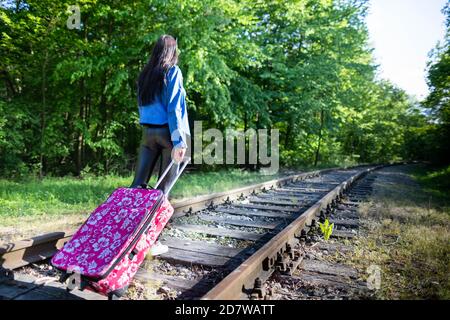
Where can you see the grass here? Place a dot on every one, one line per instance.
(33, 206)
(408, 236)
(436, 183)
(69, 195)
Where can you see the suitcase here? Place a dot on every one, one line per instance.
(107, 250)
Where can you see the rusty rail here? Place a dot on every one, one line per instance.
(245, 281)
(21, 253)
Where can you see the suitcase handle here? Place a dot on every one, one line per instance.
(184, 162)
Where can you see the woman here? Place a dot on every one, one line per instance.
(163, 116)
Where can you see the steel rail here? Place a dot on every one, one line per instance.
(20, 253)
(242, 281)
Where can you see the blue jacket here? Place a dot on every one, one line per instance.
(169, 107)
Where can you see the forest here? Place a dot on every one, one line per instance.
(305, 67)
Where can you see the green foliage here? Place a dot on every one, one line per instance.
(436, 181)
(69, 195)
(438, 101)
(327, 229)
(68, 97)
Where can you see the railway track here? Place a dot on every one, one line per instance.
(222, 246)
(325, 273)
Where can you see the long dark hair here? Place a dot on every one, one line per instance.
(151, 79)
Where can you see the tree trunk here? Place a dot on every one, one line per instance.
(43, 115)
(9, 85)
(316, 160)
(287, 138)
(80, 138)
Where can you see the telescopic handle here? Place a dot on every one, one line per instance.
(180, 169)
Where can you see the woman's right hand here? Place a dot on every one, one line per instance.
(178, 154)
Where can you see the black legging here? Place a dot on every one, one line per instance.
(156, 142)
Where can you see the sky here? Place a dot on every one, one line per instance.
(403, 32)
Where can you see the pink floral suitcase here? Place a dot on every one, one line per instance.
(107, 250)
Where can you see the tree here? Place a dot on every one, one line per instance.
(438, 101)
